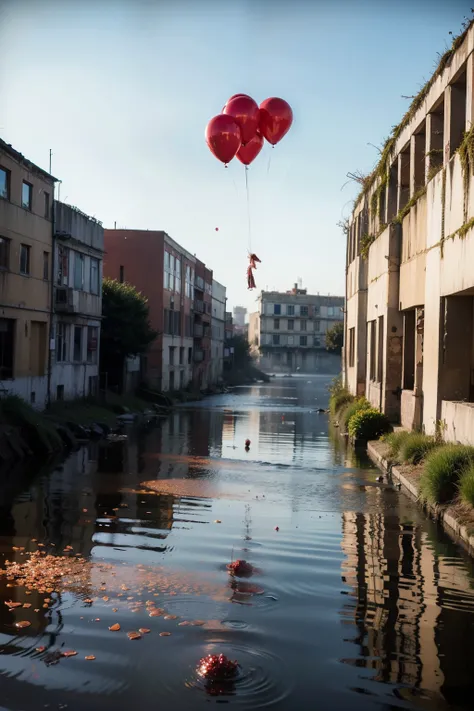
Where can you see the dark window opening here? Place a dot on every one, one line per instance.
(7, 330)
(435, 131)
(409, 350)
(403, 178)
(457, 126)
(121, 277)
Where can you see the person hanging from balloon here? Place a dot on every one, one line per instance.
(241, 130)
(250, 278)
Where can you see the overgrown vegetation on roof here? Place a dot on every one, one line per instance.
(381, 169)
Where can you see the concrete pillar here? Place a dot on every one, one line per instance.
(454, 118)
(403, 192)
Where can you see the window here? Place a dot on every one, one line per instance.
(380, 351)
(62, 332)
(181, 356)
(63, 265)
(276, 340)
(317, 325)
(4, 253)
(331, 311)
(26, 195)
(290, 310)
(7, 329)
(409, 343)
(291, 340)
(303, 340)
(317, 342)
(121, 274)
(60, 392)
(93, 385)
(291, 324)
(303, 310)
(78, 270)
(171, 282)
(277, 309)
(373, 331)
(46, 265)
(94, 276)
(46, 206)
(276, 324)
(303, 325)
(24, 259)
(77, 353)
(351, 347)
(171, 355)
(92, 342)
(4, 184)
(190, 356)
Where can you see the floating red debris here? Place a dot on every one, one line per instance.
(240, 568)
(134, 635)
(115, 628)
(216, 667)
(22, 624)
(165, 634)
(89, 658)
(40, 649)
(69, 653)
(247, 443)
(11, 604)
(144, 630)
(277, 528)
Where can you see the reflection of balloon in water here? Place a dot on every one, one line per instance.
(223, 137)
(247, 154)
(245, 111)
(276, 118)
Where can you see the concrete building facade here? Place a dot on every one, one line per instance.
(26, 238)
(240, 314)
(409, 331)
(202, 326)
(217, 331)
(287, 333)
(78, 257)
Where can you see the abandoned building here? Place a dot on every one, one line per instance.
(409, 322)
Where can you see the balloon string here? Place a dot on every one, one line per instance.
(269, 163)
(248, 208)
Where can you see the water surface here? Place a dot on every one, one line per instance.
(358, 601)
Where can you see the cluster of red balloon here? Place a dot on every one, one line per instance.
(242, 127)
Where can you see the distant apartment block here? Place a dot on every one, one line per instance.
(217, 331)
(288, 330)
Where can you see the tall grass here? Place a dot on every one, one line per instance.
(443, 471)
(466, 487)
(351, 409)
(416, 447)
(395, 440)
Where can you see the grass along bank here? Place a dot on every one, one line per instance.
(439, 475)
(25, 431)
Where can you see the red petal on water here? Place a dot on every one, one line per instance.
(69, 653)
(165, 634)
(90, 658)
(115, 627)
(40, 649)
(22, 624)
(12, 605)
(170, 617)
(144, 630)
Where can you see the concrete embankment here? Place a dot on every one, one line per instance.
(457, 520)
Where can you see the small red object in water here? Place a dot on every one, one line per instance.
(247, 443)
(277, 528)
(216, 667)
(240, 568)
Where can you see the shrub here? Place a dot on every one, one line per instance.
(466, 488)
(395, 441)
(442, 472)
(414, 448)
(367, 424)
(351, 408)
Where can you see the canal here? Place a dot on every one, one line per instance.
(357, 601)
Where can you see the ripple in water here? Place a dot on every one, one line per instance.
(261, 681)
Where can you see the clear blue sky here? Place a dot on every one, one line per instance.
(122, 91)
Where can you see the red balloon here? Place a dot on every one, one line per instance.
(245, 112)
(276, 118)
(223, 137)
(246, 154)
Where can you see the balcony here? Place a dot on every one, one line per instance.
(66, 300)
(198, 356)
(199, 306)
(199, 283)
(198, 330)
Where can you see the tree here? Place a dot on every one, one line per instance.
(335, 337)
(126, 329)
(241, 348)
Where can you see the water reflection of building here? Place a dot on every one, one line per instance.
(411, 608)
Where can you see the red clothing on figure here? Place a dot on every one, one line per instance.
(250, 279)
